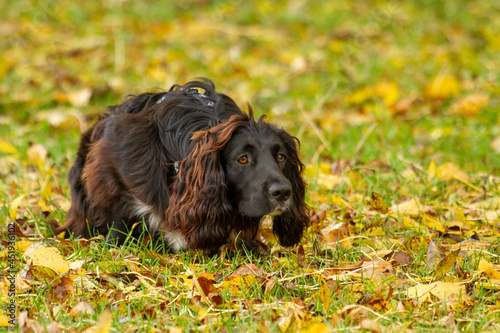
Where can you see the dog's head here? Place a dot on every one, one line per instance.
(237, 172)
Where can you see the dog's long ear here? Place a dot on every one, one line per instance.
(289, 227)
(199, 204)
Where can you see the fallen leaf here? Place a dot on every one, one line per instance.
(449, 171)
(14, 206)
(402, 258)
(371, 325)
(451, 292)
(442, 87)
(487, 269)
(445, 265)
(103, 325)
(36, 155)
(8, 148)
(48, 257)
(471, 105)
(412, 207)
(377, 203)
(207, 290)
(324, 295)
(81, 309)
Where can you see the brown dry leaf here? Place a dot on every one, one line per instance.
(433, 255)
(446, 264)
(301, 257)
(53, 327)
(81, 309)
(248, 269)
(344, 267)
(207, 290)
(372, 326)
(377, 203)
(334, 235)
(64, 289)
(403, 258)
(28, 325)
(488, 270)
(373, 269)
(471, 105)
(269, 286)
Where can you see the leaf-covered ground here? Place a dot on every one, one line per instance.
(396, 105)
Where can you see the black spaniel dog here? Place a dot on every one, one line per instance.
(190, 166)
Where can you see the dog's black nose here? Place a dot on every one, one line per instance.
(280, 192)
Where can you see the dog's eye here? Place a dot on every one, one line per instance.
(281, 158)
(243, 159)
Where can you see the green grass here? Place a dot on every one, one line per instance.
(302, 64)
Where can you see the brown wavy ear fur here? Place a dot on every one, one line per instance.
(199, 204)
(290, 227)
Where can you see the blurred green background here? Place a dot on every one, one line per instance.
(359, 80)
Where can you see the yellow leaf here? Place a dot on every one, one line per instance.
(8, 148)
(19, 247)
(388, 91)
(358, 182)
(377, 202)
(14, 205)
(441, 290)
(446, 264)
(43, 273)
(432, 170)
(325, 295)
(46, 190)
(442, 87)
(412, 207)
(328, 181)
(488, 270)
(433, 223)
(317, 328)
(450, 171)
(4, 321)
(360, 95)
(46, 257)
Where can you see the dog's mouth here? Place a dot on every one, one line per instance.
(279, 209)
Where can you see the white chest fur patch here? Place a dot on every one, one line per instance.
(143, 210)
(174, 239)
